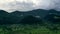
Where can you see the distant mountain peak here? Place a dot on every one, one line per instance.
(3, 11)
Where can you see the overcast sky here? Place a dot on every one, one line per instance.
(26, 5)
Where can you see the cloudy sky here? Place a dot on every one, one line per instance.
(26, 5)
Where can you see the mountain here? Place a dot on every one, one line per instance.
(38, 12)
(53, 16)
(54, 12)
(3, 15)
(31, 20)
(18, 17)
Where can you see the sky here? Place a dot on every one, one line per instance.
(27, 5)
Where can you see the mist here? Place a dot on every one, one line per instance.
(27, 5)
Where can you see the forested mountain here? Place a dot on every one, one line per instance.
(3, 15)
(38, 12)
(31, 20)
(29, 16)
(53, 18)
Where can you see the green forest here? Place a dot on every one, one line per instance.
(32, 22)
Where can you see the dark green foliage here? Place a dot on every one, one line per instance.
(16, 18)
(53, 18)
(50, 20)
(13, 19)
(3, 15)
(31, 20)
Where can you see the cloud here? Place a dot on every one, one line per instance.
(26, 5)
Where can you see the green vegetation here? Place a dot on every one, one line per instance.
(48, 22)
(29, 29)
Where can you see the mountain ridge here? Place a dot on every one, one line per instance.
(16, 17)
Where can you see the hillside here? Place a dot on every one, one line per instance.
(17, 16)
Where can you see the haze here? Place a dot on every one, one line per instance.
(27, 5)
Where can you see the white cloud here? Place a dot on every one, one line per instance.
(26, 5)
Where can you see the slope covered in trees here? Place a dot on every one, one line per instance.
(30, 16)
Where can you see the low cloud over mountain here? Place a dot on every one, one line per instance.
(27, 5)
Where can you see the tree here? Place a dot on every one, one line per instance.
(53, 27)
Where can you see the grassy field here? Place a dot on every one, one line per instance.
(26, 29)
